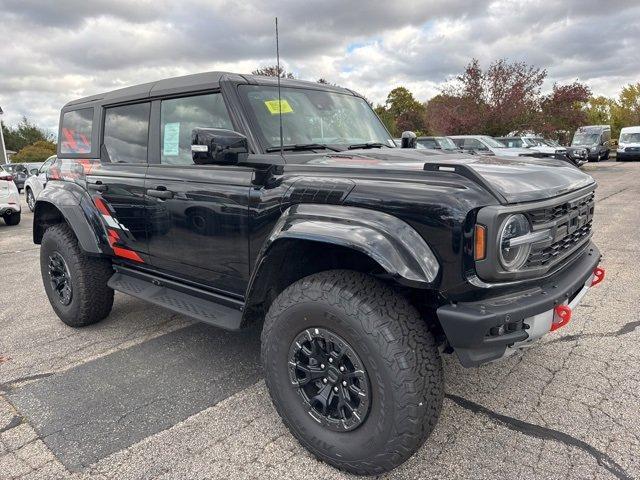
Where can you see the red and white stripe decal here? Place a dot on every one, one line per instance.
(112, 232)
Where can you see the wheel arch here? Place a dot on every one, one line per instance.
(63, 206)
(323, 237)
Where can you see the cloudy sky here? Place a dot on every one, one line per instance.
(54, 51)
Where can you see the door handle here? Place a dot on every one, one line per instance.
(159, 193)
(98, 186)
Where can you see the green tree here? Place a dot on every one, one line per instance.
(626, 111)
(37, 152)
(401, 112)
(25, 133)
(273, 71)
(599, 110)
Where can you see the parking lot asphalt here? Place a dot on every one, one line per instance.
(149, 394)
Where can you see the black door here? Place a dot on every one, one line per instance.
(197, 215)
(117, 183)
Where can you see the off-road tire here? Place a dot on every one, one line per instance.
(92, 299)
(13, 219)
(400, 355)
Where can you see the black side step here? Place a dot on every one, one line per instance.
(188, 301)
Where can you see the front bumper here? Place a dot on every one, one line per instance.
(487, 330)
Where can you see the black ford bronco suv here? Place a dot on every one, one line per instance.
(363, 262)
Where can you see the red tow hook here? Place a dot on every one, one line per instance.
(561, 316)
(598, 274)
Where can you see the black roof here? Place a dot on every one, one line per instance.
(195, 82)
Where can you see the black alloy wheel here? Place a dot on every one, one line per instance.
(60, 278)
(330, 378)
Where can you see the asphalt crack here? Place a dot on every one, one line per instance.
(612, 194)
(543, 433)
(624, 330)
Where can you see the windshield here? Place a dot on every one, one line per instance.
(446, 143)
(629, 138)
(313, 116)
(580, 139)
(492, 142)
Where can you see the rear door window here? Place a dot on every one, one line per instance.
(76, 131)
(126, 133)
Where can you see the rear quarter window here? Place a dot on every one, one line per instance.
(75, 132)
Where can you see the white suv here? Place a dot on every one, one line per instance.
(9, 199)
(35, 183)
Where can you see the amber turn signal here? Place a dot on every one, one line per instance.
(480, 251)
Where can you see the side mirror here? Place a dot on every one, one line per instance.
(34, 171)
(409, 140)
(218, 146)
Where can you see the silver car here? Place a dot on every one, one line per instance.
(486, 145)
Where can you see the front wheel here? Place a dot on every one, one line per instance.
(352, 370)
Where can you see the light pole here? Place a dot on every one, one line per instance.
(3, 150)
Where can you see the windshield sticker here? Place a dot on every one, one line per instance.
(272, 106)
(171, 146)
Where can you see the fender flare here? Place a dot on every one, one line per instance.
(386, 239)
(77, 211)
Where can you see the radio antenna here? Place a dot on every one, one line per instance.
(279, 97)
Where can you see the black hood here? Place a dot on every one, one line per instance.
(512, 180)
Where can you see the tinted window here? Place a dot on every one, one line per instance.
(179, 116)
(126, 133)
(76, 131)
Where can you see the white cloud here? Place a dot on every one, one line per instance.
(52, 52)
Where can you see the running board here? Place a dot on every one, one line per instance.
(186, 300)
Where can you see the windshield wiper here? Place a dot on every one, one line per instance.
(304, 146)
(369, 145)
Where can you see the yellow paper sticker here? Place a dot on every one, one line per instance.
(272, 106)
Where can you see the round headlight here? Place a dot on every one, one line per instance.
(513, 257)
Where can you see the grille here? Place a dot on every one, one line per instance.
(543, 216)
(570, 226)
(632, 149)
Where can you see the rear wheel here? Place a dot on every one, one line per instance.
(352, 370)
(76, 284)
(12, 219)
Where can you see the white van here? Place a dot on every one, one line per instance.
(629, 144)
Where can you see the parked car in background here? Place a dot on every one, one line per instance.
(33, 167)
(9, 198)
(36, 182)
(536, 144)
(438, 143)
(629, 144)
(19, 173)
(486, 145)
(592, 142)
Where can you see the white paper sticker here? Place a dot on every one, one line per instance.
(171, 147)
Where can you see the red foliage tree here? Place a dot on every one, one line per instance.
(503, 98)
(562, 110)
